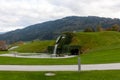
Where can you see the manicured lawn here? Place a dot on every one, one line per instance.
(38, 76)
(104, 46)
(33, 61)
(3, 52)
(102, 56)
(100, 75)
(111, 55)
(84, 75)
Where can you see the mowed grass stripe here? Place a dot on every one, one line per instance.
(84, 75)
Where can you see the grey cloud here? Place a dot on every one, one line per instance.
(21, 13)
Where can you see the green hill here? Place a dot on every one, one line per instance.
(103, 47)
(100, 47)
(97, 40)
(88, 40)
(35, 46)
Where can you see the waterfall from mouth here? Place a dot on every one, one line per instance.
(56, 45)
(55, 50)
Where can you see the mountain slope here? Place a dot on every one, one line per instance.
(51, 29)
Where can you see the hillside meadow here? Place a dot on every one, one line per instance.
(96, 40)
(100, 47)
(35, 46)
(88, 40)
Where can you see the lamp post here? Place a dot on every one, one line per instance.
(79, 64)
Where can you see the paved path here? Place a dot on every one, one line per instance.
(114, 66)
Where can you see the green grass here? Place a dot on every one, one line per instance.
(88, 41)
(33, 61)
(93, 57)
(84, 75)
(107, 54)
(110, 54)
(91, 40)
(35, 46)
(104, 48)
(4, 52)
(102, 56)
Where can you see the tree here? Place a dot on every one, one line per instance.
(99, 28)
(89, 29)
(115, 27)
(66, 38)
(3, 46)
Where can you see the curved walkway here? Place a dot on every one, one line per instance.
(113, 66)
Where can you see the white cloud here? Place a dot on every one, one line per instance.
(21, 13)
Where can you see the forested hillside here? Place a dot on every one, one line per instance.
(51, 29)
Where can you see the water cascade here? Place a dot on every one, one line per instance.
(56, 46)
(55, 50)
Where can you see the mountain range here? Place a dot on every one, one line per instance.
(51, 29)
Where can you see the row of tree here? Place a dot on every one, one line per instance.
(99, 28)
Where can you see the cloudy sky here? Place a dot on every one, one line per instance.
(15, 14)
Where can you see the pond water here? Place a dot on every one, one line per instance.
(34, 55)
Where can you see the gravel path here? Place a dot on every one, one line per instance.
(113, 66)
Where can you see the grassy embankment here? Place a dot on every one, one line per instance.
(35, 46)
(97, 40)
(104, 47)
(88, 40)
(86, 75)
